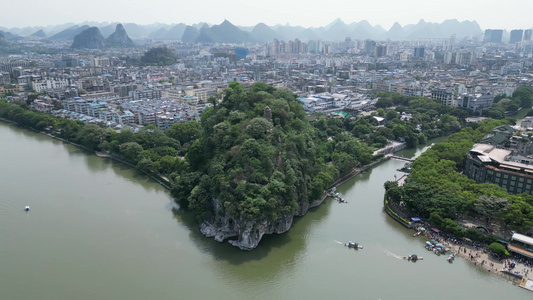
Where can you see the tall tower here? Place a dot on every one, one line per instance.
(516, 36)
(493, 36)
(527, 35)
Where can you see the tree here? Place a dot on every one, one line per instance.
(185, 132)
(258, 127)
(126, 135)
(384, 102)
(130, 151)
(499, 249)
(91, 136)
(491, 206)
(524, 96)
(391, 114)
(165, 164)
(399, 131)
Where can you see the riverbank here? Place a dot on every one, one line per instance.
(163, 181)
(474, 253)
(470, 251)
(480, 257)
(345, 178)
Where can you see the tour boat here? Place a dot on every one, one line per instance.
(351, 244)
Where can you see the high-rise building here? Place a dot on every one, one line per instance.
(381, 50)
(493, 36)
(527, 35)
(419, 52)
(370, 47)
(516, 36)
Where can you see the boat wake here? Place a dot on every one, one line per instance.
(338, 242)
(392, 254)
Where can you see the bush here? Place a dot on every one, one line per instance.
(498, 249)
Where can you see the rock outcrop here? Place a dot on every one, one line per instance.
(248, 233)
(119, 38)
(89, 39)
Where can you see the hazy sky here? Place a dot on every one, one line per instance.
(509, 14)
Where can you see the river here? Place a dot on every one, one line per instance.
(100, 230)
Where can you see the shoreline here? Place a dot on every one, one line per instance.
(469, 251)
(165, 183)
(480, 257)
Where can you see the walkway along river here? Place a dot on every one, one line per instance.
(99, 230)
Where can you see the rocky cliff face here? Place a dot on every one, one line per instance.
(119, 38)
(89, 39)
(248, 233)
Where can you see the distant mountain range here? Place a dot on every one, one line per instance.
(92, 38)
(226, 32)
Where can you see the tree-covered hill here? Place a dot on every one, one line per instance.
(159, 56)
(256, 164)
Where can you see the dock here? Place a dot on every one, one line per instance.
(526, 284)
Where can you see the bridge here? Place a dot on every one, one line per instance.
(401, 158)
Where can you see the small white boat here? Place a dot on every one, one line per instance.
(27, 208)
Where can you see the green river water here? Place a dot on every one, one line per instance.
(100, 230)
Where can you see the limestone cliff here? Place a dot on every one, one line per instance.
(248, 233)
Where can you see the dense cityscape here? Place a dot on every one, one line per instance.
(95, 84)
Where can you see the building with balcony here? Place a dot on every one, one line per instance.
(489, 164)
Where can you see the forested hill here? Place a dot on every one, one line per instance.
(255, 165)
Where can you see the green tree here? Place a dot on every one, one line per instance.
(90, 136)
(258, 127)
(499, 249)
(185, 132)
(391, 114)
(130, 151)
(491, 206)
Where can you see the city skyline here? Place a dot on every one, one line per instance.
(488, 14)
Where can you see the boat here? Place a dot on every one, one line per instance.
(413, 257)
(27, 208)
(417, 233)
(451, 258)
(351, 244)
